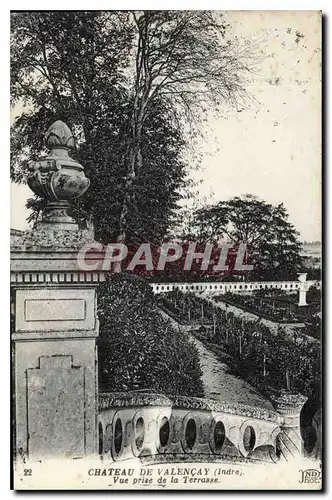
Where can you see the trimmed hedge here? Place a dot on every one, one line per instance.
(138, 349)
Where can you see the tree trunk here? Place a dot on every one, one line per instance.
(134, 166)
(141, 93)
(288, 386)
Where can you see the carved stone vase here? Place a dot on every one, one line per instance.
(57, 178)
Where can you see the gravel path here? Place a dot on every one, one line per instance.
(219, 383)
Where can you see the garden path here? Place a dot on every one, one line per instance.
(219, 383)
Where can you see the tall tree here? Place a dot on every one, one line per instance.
(74, 66)
(181, 58)
(272, 241)
(132, 86)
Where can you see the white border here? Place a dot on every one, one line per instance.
(325, 6)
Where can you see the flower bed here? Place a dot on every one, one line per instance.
(268, 360)
(274, 308)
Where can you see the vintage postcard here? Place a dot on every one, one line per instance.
(166, 250)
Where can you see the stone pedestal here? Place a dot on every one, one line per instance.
(290, 440)
(54, 339)
(302, 297)
(303, 289)
(54, 305)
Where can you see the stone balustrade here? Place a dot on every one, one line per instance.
(220, 288)
(147, 425)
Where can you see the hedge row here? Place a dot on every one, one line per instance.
(138, 349)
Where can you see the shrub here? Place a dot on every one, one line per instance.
(268, 360)
(138, 348)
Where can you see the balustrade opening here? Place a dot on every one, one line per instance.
(249, 438)
(191, 433)
(219, 435)
(118, 436)
(139, 433)
(164, 432)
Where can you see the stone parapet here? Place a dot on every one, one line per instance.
(122, 399)
(145, 425)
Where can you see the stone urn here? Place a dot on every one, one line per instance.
(57, 178)
(302, 277)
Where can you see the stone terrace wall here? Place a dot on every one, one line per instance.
(145, 425)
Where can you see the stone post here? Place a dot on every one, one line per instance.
(303, 289)
(290, 440)
(55, 329)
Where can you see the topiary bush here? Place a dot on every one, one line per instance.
(138, 349)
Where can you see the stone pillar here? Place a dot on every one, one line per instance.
(303, 289)
(55, 329)
(290, 440)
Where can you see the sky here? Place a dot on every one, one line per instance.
(272, 148)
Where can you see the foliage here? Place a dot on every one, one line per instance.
(181, 58)
(278, 309)
(313, 326)
(268, 360)
(314, 295)
(272, 241)
(138, 348)
(72, 66)
(131, 85)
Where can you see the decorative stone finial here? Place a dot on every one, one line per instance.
(58, 178)
(59, 136)
(302, 277)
